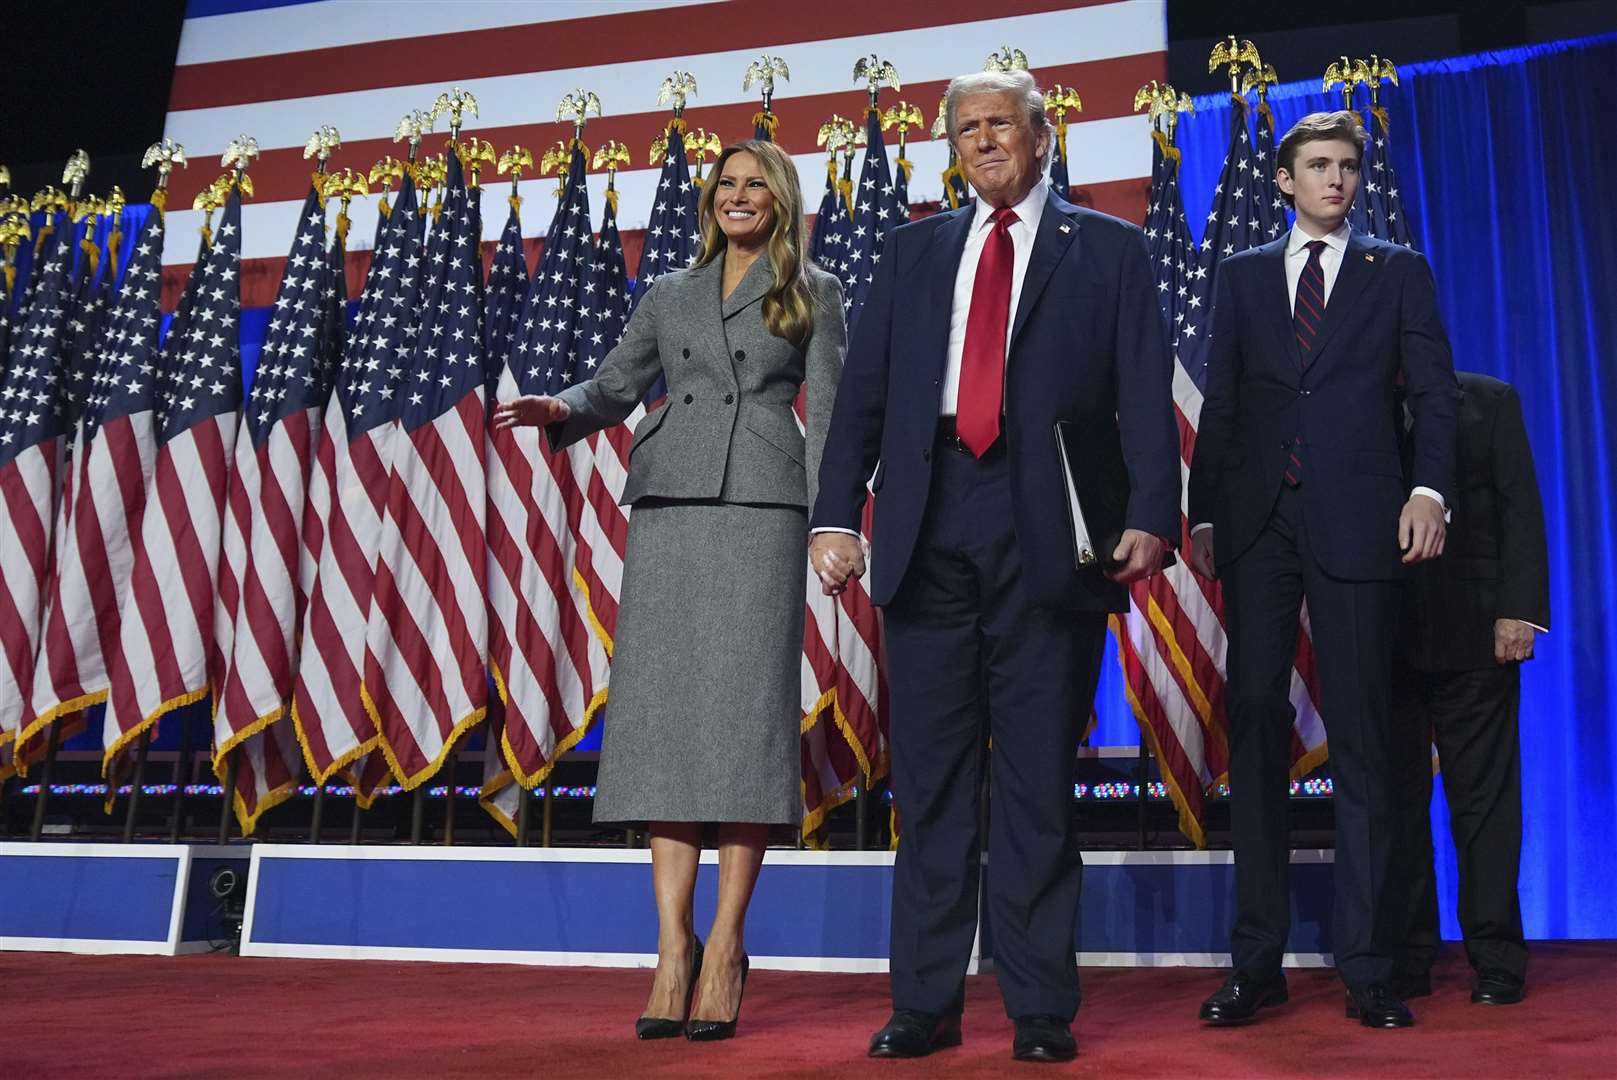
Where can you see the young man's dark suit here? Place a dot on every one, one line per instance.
(1448, 684)
(990, 624)
(1333, 540)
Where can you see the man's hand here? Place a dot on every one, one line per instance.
(836, 557)
(531, 410)
(1201, 553)
(1421, 529)
(1512, 640)
(1140, 554)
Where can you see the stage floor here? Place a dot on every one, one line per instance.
(216, 1015)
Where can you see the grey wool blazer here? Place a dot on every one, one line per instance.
(727, 430)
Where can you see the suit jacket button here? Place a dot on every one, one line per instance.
(926, 455)
(729, 399)
(741, 354)
(686, 353)
(689, 399)
(1285, 444)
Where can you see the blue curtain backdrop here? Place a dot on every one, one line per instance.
(1506, 164)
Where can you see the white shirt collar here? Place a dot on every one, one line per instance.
(1029, 210)
(1336, 241)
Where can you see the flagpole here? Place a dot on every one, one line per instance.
(316, 812)
(182, 776)
(549, 807)
(141, 748)
(45, 781)
(449, 801)
(224, 798)
(524, 801)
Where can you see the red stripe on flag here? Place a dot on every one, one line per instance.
(558, 45)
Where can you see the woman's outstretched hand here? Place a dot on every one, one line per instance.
(535, 410)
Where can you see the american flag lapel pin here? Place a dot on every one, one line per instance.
(1369, 257)
(1065, 227)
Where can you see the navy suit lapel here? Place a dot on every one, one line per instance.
(1358, 267)
(1057, 232)
(1274, 282)
(941, 265)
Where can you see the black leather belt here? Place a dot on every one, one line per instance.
(949, 437)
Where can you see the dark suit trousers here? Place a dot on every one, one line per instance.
(1472, 716)
(1351, 624)
(970, 658)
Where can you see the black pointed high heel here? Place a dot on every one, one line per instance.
(657, 1027)
(715, 1030)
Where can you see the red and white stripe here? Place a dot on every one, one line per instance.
(283, 71)
(260, 606)
(263, 537)
(81, 628)
(28, 520)
(549, 664)
(167, 650)
(426, 642)
(342, 524)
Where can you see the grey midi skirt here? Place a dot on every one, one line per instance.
(703, 707)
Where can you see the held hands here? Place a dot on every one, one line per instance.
(1421, 529)
(836, 557)
(1512, 640)
(1140, 555)
(1201, 553)
(531, 410)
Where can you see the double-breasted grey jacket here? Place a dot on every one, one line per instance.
(727, 430)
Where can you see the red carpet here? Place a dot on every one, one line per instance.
(218, 1016)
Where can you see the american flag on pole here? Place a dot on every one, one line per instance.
(33, 408)
(848, 718)
(1171, 643)
(548, 662)
(1387, 220)
(426, 645)
(167, 654)
(260, 593)
(831, 242)
(115, 447)
(502, 299)
(342, 521)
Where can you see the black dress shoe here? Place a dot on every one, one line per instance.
(1241, 996)
(1043, 1038)
(910, 1033)
(716, 1030)
(1411, 985)
(1497, 988)
(658, 1027)
(1376, 1006)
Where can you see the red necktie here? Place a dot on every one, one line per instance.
(982, 360)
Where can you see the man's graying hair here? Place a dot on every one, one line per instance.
(998, 82)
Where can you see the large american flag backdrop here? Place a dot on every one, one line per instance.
(279, 70)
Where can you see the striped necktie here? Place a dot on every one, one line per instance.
(1307, 315)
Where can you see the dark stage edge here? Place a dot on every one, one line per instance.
(215, 1015)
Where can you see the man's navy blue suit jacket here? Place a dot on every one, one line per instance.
(1381, 318)
(1089, 345)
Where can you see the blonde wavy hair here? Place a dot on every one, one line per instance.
(788, 306)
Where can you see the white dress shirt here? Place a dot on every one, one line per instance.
(1023, 232)
(1330, 263)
